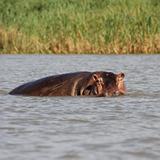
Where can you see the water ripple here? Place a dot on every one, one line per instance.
(65, 128)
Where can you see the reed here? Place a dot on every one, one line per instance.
(86, 26)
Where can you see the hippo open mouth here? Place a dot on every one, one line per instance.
(75, 84)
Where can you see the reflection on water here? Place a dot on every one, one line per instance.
(66, 128)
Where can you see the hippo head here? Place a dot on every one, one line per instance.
(105, 84)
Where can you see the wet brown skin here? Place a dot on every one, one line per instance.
(75, 84)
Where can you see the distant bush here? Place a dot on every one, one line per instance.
(80, 26)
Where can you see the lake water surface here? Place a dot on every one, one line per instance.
(80, 128)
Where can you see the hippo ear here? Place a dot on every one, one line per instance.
(97, 78)
(120, 76)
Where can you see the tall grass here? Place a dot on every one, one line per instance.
(80, 26)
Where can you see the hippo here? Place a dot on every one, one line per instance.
(98, 84)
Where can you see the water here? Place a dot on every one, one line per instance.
(80, 128)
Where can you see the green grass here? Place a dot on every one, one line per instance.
(80, 26)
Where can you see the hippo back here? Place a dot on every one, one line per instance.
(58, 85)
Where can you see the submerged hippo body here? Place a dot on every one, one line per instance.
(74, 84)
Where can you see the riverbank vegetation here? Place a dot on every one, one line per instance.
(80, 26)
